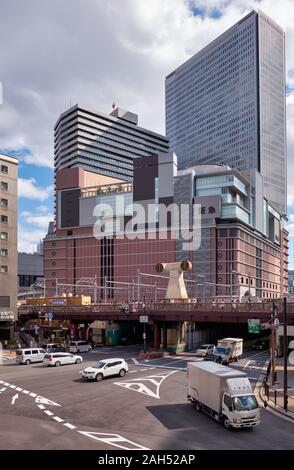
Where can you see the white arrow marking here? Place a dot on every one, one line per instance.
(14, 398)
(114, 440)
(140, 385)
(45, 401)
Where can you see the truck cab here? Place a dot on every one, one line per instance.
(240, 410)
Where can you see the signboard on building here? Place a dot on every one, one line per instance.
(143, 319)
(50, 316)
(6, 315)
(57, 301)
(254, 326)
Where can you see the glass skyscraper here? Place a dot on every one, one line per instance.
(226, 104)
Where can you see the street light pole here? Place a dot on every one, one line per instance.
(144, 334)
(285, 357)
(274, 323)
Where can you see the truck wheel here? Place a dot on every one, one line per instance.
(226, 423)
(197, 406)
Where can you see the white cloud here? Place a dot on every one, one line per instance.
(28, 239)
(38, 220)
(28, 188)
(290, 229)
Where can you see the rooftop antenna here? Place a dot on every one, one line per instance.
(114, 105)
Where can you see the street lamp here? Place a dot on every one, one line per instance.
(144, 334)
(274, 323)
(285, 356)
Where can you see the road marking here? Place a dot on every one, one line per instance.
(2, 389)
(33, 395)
(6, 384)
(18, 389)
(26, 392)
(69, 426)
(14, 399)
(12, 386)
(247, 363)
(42, 407)
(140, 385)
(59, 420)
(114, 440)
(1, 382)
(48, 413)
(45, 401)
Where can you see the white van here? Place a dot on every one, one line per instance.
(29, 355)
(79, 346)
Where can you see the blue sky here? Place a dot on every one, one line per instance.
(45, 67)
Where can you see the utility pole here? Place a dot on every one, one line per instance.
(274, 322)
(144, 334)
(285, 356)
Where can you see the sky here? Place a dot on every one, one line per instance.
(55, 54)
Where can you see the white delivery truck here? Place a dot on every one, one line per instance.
(224, 393)
(228, 350)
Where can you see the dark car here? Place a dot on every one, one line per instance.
(209, 357)
(261, 345)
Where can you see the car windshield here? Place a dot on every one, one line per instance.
(222, 350)
(98, 365)
(204, 346)
(247, 402)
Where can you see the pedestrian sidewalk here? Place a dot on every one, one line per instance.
(276, 393)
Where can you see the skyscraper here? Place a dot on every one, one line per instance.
(226, 104)
(101, 143)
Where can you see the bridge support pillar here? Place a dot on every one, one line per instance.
(155, 336)
(164, 336)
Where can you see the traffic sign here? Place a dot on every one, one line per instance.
(143, 319)
(253, 326)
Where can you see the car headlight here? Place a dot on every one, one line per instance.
(237, 421)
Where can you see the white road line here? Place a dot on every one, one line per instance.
(42, 407)
(6, 384)
(18, 389)
(247, 363)
(59, 420)
(12, 386)
(48, 413)
(69, 426)
(2, 390)
(1, 382)
(26, 392)
(33, 395)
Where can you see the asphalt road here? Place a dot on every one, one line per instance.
(53, 408)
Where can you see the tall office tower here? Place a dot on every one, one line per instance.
(8, 244)
(226, 104)
(101, 143)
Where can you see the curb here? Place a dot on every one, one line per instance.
(273, 409)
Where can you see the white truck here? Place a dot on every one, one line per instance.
(228, 350)
(224, 393)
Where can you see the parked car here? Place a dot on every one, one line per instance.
(79, 346)
(53, 347)
(205, 349)
(261, 345)
(105, 368)
(29, 355)
(59, 359)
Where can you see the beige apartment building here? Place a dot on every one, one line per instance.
(8, 244)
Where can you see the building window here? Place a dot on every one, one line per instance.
(3, 235)
(4, 301)
(53, 253)
(211, 210)
(242, 280)
(233, 232)
(4, 269)
(4, 219)
(4, 185)
(4, 169)
(247, 281)
(203, 210)
(53, 243)
(219, 243)
(54, 274)
(3, 252)
(3, 202)
(69, 233)
(223, 232)
(53, 263)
